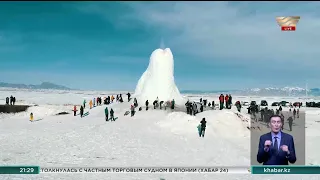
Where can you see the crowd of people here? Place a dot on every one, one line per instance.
(11, 100)
(266, 113)
(156, 104)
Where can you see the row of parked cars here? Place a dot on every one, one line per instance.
(253, 103)
(265, 103)
(313, 104)
(282, 103)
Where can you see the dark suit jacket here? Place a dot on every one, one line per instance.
(273, 158)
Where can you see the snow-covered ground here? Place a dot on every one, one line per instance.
(151, 138)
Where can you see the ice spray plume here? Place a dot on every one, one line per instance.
(162, 46)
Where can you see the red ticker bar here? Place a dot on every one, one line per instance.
(288, 28)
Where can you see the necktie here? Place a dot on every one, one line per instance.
(275, 145)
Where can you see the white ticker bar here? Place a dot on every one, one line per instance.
(202, 170)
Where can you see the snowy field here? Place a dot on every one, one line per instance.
(150, 138)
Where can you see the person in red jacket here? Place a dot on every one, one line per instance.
(221, 100)
(74, 110)
(227, 100)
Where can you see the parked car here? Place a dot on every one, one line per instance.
(263, 103)
(252, 103)
(296, 104)
(245, 103)
(275, 104)
(284, 103)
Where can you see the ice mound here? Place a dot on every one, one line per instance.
(158, 79)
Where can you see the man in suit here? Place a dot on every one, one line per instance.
(276, 147)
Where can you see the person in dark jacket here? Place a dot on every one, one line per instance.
(7, 100)
(201, 108)
(112, 115)
(106, 113)
(203, 123)
(81, 111)
(147, 105)
(230, 101)
(132, 110)
(11, 99)
(129, 95)
(155, 104)
(161, 103)
(188, 107)
(205, 102)
(172, 104)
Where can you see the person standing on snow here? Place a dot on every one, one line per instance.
(84, 104)
(147, 105)
(132, 110)
(81, 111)
(238, 106)
(227, 101)
(135, 102)
(201, 108)
(154, 104)
(106, 113)
(294, 113)
(161, 103)
(7, 100)
(194, 108)
(221, 100)
(205, 103)
(203, 123)
(172, 104)
(11, 100)
(187, 106)
(129, 95)
(74, 110)
(112, 115)
(94, 102)
(298, 113)
(230, 101)
(90, 104)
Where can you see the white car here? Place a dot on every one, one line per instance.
(245, 103)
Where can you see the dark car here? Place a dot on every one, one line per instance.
(275, 104)
(263, 103)
(252, 103)
(283, 103)
(296, 104)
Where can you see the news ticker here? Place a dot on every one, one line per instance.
(201, 170)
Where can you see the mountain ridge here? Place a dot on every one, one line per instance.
(43, 85)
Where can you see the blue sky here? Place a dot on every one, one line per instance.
(107, 45)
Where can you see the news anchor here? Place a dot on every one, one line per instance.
(276, 147)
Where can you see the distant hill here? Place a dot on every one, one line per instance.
(44, 85)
